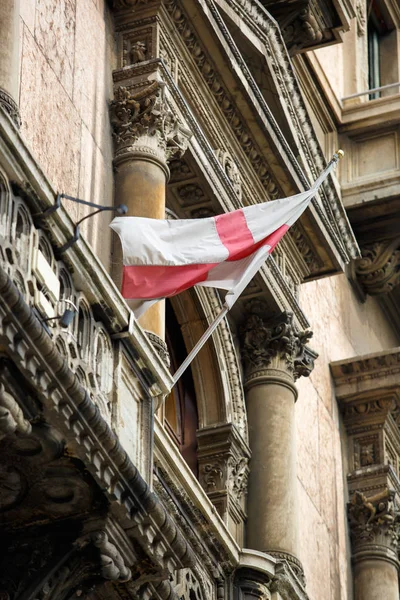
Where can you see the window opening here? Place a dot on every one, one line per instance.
(181, 417)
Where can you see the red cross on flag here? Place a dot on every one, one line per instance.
(162, 258)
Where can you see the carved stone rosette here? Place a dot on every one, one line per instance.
(378, 271)
(144, 124)
(275, 344)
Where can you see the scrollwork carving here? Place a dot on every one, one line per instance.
(378, 270)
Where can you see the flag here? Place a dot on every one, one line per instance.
(162, 258)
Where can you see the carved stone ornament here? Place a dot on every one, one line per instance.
(361, 17)
(378, 270)
(373, 519)
(266, 340)
(144, 123)
(231, 170)
(10, 107)
(302, 31)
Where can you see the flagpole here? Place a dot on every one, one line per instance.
(238, 290)
(193, 353)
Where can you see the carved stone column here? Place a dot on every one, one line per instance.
(368, 392)
(275, 354)
(147, 132)
(374, 529)
(9, 57)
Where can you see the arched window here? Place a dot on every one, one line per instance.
(181, 417)
(22, 230)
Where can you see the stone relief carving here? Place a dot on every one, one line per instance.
(231, 169)
(10, 107)
(112, 563)
(264, 340)
(145, 113)
(302, 31)
(361, 17)
(378, 271)
(11, 416)
(86, 344)
(222, 96)
(366, 451)
(374, 516)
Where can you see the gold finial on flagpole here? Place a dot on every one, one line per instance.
(340, 153)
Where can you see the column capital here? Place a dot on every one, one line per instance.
(144, 126)
(275, 345)
(374, 523)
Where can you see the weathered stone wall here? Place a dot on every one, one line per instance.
(343, 327)
(67, 57)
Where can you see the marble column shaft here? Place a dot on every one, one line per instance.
(274, 355)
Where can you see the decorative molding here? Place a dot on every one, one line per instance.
(378, 271)
(361, 17)
(333, 214)
(160, 347)
(223, 459)
(231, 169)
(275, 342)
(10, 107)
(223, 97)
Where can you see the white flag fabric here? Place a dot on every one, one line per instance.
(162, 258)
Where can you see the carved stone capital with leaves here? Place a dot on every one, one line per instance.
(374, 520)
(378, 271)
(143, 123)
(276, 343)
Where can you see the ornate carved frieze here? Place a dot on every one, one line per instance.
(374, 519)
(275, 343)
(378, 271)
(143, 123)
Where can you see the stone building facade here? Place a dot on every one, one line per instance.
(271, 471)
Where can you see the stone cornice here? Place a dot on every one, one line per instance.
(67, 404)
(363, 375)
(265, 29)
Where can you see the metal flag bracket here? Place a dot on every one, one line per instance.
(121, 209)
